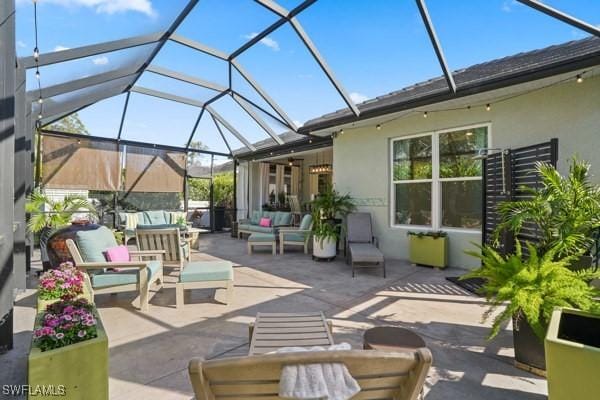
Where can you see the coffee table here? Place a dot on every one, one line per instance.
(272, 331)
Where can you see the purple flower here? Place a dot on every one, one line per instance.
(60, 335)
(81, 333)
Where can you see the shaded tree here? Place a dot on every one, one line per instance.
(70, 124)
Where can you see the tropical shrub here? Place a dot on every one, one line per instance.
(49, 213)
(565, 210)
(532, 287)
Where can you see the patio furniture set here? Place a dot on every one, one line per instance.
(282, 362)
(156, 248)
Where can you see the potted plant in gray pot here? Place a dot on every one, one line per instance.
(528, 288)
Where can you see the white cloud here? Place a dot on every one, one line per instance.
(108, 6)
(507, 5)
(60, 48)
(297, 123)
(358, 97)
(267, 41)
(21, 43)
(102, 60)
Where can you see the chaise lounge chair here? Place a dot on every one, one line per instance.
(361, 246)
(381, 375)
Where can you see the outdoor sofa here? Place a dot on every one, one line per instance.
(278, 219)
(155, 219)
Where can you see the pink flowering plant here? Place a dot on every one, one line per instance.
(65, 282)
(64, 323)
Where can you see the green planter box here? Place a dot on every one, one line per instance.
(428, 250)
(81, 369)
(573, 355)
(87, 294)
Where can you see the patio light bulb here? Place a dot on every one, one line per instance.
(425, 114)
(378, 127)
(37, 75)
(309, 140)
(341, 131)
(36, 54)
(579, 78)
(488, 107)
(39, 116)
(40, 100)
(469, 133)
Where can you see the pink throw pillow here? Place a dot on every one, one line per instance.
(266, 222)
(117, 254)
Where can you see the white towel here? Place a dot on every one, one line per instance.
(330, 381)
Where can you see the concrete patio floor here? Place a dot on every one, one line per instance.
(149, 352)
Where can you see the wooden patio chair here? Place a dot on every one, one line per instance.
(138, 274)
(177, 249)
(296, 236)
(381, 375)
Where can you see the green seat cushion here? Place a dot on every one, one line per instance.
(156, 218)
(255, 218)
(245, 227)
(201, 271)
(306, 222)
(282, 218)
(255, 228)
(124, 277)
(294, 237)
(262, 237)
(92, 244)
(158, 226)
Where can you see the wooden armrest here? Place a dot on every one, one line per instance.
(295, 230)
(119, 264)
(146, 252)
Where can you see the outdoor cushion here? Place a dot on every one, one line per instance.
(282, 218)
(123, 277)
(262, 237)
(92, 244)
(156, 217)
(359, 229)
(255, 218)
(200, 271)
(265, 222)
(254, 228)
(365, 252)
(306, 222)
(294, 237)
(118, 253)
(159, 226)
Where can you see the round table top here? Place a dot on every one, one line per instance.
(391, 338)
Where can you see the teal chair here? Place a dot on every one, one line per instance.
(297, 236)
(144, 268)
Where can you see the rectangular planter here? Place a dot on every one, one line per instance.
(428, 250)
(573, 355)
(81, 369)
(87, 294)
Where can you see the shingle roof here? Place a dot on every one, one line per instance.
(502, 72)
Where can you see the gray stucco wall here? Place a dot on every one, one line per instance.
(569, 112)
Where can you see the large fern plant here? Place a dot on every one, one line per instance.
(49, 213)
(565, 210)
(531, 287)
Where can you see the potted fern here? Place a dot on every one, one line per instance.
(530, 287)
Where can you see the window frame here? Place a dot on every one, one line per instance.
(435, 181)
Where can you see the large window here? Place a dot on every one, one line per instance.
(436, 182)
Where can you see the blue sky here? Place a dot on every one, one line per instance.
(373, 46)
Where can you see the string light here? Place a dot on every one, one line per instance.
(341, 131)
(36, 54)
(37, 74)
(378, 127)
(40, 100)
(36, 57)
(579, 78)
(424, 114)
(488, 107)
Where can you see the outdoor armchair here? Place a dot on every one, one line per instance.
(297, 236)
(143, 269)
(176, 249)
(362, 248)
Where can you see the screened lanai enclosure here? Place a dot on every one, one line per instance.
(169, 109)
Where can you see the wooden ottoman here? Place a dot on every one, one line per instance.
(262, 239)
(206, 275)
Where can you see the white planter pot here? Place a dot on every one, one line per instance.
(325, 248)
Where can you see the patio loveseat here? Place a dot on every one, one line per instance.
(278, 220)
(155, 219)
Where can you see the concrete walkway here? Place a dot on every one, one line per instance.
(149, 352)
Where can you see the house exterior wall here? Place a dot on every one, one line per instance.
(361, 157)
